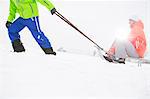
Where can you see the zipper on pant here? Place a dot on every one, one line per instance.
(32, 19)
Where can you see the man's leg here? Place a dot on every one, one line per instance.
(13, 32)
(42, 40)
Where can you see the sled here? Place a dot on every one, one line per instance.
(139, 61)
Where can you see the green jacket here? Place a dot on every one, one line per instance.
(26, 8)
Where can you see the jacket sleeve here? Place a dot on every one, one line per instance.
(47, 4)
(12, 11)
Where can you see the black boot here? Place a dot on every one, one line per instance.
(17, 46)
(108, 58)
(120, 60)
(48, 51)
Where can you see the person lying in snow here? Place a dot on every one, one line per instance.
(29, 17)
(134, 46)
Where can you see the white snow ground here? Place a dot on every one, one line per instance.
(70, 76)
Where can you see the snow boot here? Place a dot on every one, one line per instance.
(120, 60)
(48, 51)
(17, 46)
(108, 58)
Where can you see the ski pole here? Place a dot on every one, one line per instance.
(67, 21)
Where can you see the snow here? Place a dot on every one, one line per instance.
(78, 73)
(38, 76)
(29, 76)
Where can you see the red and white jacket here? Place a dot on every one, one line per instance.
(136, 37)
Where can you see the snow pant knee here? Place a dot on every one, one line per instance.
(120, 50)
(39, 36)
(125, 49)
(15, 28)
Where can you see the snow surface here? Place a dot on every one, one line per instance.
(70, 76)
(34, 75)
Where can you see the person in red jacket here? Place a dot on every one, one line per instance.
(134, 46)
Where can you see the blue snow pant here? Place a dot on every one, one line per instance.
(33, 25)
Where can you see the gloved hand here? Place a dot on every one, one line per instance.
(53, 11)
(8, 24)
